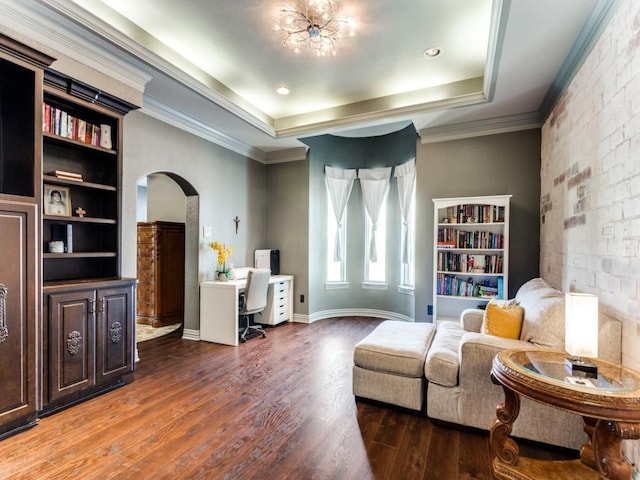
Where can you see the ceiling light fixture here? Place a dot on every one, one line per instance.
(316, 25)
(282, 90)
(432, 52)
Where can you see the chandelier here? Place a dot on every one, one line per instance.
(316, 25)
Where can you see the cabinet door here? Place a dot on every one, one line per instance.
(115, 335)
(17, 315)
(71, 346)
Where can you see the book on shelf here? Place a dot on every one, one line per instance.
(58, 122)
(66, 175)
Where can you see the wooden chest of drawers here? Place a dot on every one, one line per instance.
(160, 293)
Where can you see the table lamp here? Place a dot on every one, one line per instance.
(581, 333)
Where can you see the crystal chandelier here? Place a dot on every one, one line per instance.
(316, 25)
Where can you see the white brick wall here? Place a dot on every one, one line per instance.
(590, 233)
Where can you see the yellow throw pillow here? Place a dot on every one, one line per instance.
(503, 319)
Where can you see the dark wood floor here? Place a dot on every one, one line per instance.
(274, 408)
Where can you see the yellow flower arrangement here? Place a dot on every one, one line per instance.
(223, 252)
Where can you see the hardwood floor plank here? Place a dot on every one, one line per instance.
(442, 455)
(275, 408)
(475, 456)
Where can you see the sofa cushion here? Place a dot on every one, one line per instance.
(503, 318)
(543, 306)
(395, 347)
(443, 359)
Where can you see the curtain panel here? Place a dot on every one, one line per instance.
(406, 177)
(375, 185)
(339, 184)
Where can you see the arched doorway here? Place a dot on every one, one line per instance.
(165, 196)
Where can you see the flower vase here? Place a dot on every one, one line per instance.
(222, 277)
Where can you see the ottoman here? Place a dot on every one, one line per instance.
(389, 363)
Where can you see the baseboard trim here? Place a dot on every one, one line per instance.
(299, 318)
(188, 334)
(358, 312)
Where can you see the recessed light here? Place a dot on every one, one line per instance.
(432, 52)
(282, 90)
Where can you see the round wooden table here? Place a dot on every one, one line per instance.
(609, 405)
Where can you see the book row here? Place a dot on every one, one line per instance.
(469, 263)
(460, 287)
(453, 238)
(474, 213)
(59, 122)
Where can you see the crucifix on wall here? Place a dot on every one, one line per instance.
(237, 222)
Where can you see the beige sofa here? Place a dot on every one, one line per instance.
(458, 366)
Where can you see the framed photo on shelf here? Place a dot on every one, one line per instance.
(57, 200)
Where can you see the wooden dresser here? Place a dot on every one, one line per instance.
(160, 273)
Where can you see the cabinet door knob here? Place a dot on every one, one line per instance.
(4, 330)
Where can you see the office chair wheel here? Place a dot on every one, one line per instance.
(264, 335)
(242, 339)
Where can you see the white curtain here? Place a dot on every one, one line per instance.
(375, 185)
(339, 184)
(406, 175)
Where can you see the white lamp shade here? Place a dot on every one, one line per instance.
(581, 324)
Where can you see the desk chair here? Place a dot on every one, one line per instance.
(255, 300)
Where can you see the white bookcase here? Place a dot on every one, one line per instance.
(470, 254)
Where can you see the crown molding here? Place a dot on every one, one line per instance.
(287, 155)
(166, 114)
(499, 20)
(594, 26)
(34, 22)
(457, 94)
(145, 48)
(479, 128)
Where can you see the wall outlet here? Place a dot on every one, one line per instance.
(206, 232)
(301, 298)
(429, 309)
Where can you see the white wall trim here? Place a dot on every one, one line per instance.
(164, 113)
(42, 28)
(478, 128)
(374, 286)
(177, 67)
(299, 318)
(336, 286)
(358, 312)
(189, 334)
(288, 155)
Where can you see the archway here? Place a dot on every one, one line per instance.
(191, 221)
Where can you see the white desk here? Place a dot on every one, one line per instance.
(219, 307)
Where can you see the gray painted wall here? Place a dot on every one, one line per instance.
(383, 151)
(288, 224)
(227, 184)
(507, 163)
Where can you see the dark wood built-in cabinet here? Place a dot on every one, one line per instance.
(67, 323)
(90, 339)
(20, 94)
(160, 273)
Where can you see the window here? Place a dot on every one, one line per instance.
(336, 271)
(375, 272)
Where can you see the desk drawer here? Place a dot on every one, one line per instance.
(278, 304)
(281, 288)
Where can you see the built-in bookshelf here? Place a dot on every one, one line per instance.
(80, 171)
(471, 253)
